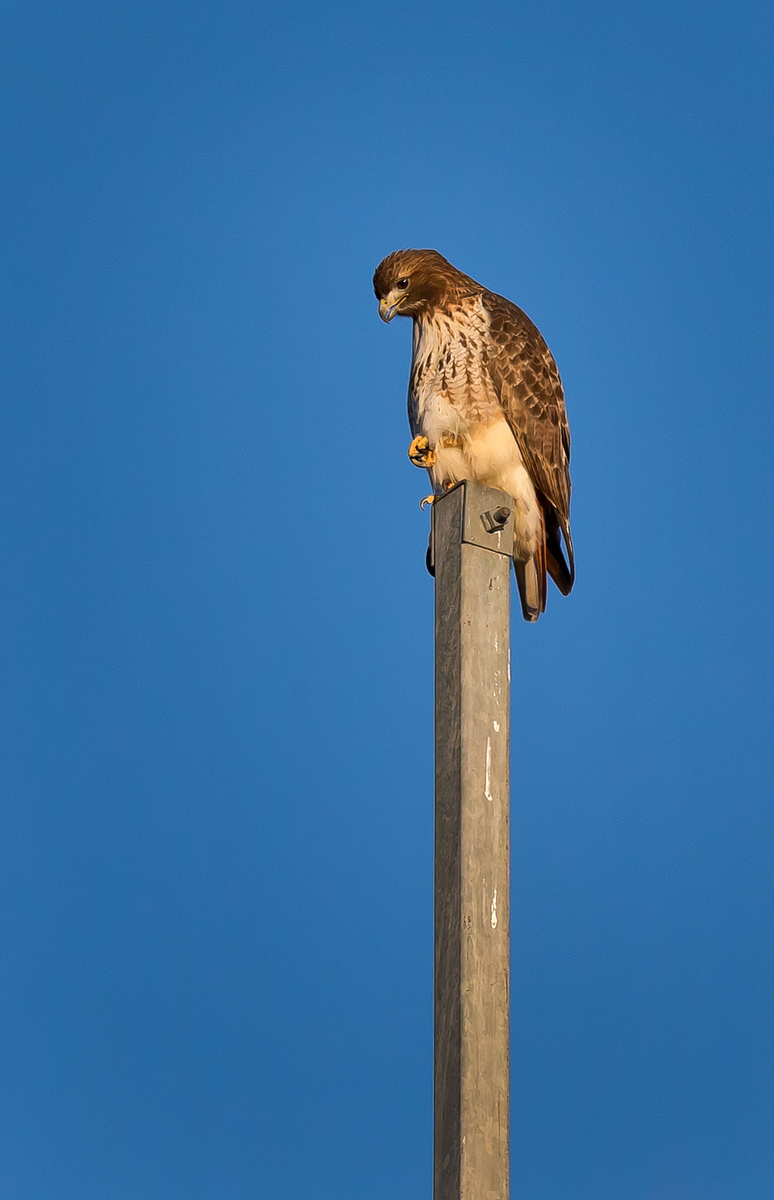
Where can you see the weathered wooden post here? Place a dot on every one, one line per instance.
(471, 544)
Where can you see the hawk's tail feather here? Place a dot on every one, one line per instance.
(562, 574)
(528, 581)
(540, 562)
(531, 578)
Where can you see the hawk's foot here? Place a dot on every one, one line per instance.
(421, 452)
(446, 485)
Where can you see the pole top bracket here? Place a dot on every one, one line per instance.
(487, 517)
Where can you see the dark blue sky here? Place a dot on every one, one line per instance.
(216, 845)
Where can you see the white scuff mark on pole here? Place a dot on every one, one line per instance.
(496, 725)
(487, 792)
(494, 909)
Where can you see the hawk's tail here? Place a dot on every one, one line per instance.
(562, 574)
(531, 578)
(533, 601)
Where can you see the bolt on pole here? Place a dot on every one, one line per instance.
(471, 545)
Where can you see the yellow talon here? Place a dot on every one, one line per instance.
(421, 452)
(426, 500)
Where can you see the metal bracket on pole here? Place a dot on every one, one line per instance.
(472, 540)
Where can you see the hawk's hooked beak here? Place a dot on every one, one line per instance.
(387, 311)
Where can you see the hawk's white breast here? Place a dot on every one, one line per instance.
(452, 399)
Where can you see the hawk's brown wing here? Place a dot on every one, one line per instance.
(530, 391)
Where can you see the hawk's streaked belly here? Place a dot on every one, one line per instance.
(451, 396)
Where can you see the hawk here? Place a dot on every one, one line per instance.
(485, 403)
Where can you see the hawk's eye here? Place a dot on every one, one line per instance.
(402, 284)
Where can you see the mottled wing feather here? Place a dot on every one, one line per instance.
(527, 381)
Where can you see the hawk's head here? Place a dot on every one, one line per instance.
(410, 282)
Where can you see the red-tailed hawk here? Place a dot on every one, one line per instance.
(486, 404)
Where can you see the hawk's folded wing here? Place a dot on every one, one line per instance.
(527, 382)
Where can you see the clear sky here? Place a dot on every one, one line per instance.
(216, 843)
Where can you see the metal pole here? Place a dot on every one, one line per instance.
(471, 543)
